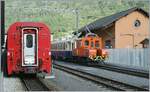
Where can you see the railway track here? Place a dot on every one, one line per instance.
(100, 80)
(34, 84)
(130, 71)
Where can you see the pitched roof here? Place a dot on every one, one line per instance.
(100, 23)
(146, 40)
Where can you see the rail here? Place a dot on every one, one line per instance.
(98, 79)
(34, 84)
(130, 71)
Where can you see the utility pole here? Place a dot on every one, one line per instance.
(2, 22)
(2, 37)
(77, 18)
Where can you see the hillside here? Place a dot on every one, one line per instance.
(62, 15)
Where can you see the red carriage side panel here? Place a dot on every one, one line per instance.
(16, 58)
(13, 49)
(44, 50)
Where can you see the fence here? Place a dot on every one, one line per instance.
(130, 57)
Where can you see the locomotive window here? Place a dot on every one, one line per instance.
(86, 43)
(29, 41)
(92, 44)
(97, 44)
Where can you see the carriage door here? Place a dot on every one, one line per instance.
(29, 49)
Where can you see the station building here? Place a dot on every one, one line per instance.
(126, 29)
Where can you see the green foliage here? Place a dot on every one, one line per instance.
(60, 15)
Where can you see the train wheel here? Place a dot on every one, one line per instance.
(89, 62)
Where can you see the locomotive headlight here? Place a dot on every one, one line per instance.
(91, 57)
(103, 52)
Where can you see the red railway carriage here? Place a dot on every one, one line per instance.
(28, 48)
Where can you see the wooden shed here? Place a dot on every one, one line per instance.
(125, 29)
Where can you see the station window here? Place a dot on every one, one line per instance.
(29, 41)
(86, 43)
(137, 23)
(96, 43)
(108, 44)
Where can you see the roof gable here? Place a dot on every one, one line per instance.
(100, 23)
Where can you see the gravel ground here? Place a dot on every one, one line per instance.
(67, 82)
(13, 84)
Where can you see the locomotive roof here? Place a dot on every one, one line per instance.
(103, 22)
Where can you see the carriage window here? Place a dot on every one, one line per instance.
(69, 45)
(97, 44)
(79, 44)
(86, 43)
(64, 46)
(92, 44)
(29, 41)
(72, 46)
(59, 45)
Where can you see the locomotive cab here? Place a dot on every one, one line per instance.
(90, 47)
